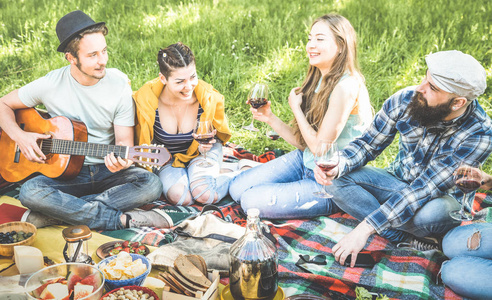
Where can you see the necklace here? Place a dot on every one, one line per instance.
(180, 131)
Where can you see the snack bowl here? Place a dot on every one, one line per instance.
(58, 274)
(8, 249)
(133, 288)
(138, 281)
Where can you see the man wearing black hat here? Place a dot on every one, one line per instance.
(101, 98)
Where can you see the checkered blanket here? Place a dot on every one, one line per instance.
(399, 274)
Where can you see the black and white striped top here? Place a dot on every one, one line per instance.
(175, 143)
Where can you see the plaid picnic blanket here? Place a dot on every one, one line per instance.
(398, 274)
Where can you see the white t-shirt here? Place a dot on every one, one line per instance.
(100, 106)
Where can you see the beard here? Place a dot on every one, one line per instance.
(426, 115)
(79, 66)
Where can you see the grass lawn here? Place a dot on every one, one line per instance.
(237, 42)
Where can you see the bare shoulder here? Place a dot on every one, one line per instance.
(347, 88)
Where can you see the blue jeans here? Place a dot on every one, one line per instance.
(213, 185)
(362, 191)
(281, 189)
(96, 197)
(470, 249)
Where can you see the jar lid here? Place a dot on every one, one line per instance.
(76, 233)
(253, 212)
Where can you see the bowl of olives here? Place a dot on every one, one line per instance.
(15, 234)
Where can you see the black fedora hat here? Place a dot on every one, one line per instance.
(70, 25)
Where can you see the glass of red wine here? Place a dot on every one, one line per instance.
(203, 133)
(326, 158)
(257, 97)
(468, 178)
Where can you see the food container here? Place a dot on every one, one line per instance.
(8, 249)
(211, 294)
(113, 284)
(133, 288)
(91, 274)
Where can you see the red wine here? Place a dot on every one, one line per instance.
(203, 138)
(257, 102)
(467, 185)
(327, 166)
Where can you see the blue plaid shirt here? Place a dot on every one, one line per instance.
(426, 159)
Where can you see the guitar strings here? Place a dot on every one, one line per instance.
(58, 146)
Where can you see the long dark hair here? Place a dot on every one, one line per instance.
(173, 57)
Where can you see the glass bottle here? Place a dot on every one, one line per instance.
(254, 261)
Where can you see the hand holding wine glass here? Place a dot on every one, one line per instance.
(468, 178)
(204, 134)
(257, 97)
(326, 158)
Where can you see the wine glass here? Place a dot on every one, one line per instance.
(257, 97)
(273, 135)
(326, 158)
(203, 133)
(468, 178)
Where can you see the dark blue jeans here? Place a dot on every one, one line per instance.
(96, 197)
(362, 191)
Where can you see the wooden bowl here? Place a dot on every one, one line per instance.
(8, 249)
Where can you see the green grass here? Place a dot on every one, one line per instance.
(237, 42)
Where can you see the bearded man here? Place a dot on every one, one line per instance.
(440, 124)
(106, 190)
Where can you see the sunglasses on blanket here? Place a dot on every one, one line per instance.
(319, 259)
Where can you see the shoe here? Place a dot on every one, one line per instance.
(39, 220)
(148, 218)
(421, 244)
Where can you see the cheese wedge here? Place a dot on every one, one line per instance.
(28, 259)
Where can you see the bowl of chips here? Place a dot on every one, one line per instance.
(124, 269)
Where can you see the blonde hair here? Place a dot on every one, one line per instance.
(314, 105)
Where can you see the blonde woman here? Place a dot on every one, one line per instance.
(332, 104)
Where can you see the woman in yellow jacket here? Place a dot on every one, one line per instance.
(167, 109)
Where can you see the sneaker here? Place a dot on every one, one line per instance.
(421, 244)
(148, 218)
(39, 220)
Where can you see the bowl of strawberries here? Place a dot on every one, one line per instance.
(115, 247)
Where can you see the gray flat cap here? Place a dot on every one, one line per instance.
(457, 73)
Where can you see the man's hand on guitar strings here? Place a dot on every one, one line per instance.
(28, 145)
(115, 164)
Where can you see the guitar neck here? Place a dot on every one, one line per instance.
(57, 146)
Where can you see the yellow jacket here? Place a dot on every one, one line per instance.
(146, 102)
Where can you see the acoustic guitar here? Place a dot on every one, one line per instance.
(66, 149)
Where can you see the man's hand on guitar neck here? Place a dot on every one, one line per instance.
(28, 145)
(115, 164)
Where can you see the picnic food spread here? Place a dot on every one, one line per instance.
(188, 277)
(123, 267)
(71, 287)
(130, 293)
(115, 247)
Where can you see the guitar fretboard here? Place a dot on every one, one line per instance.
(56, 146)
